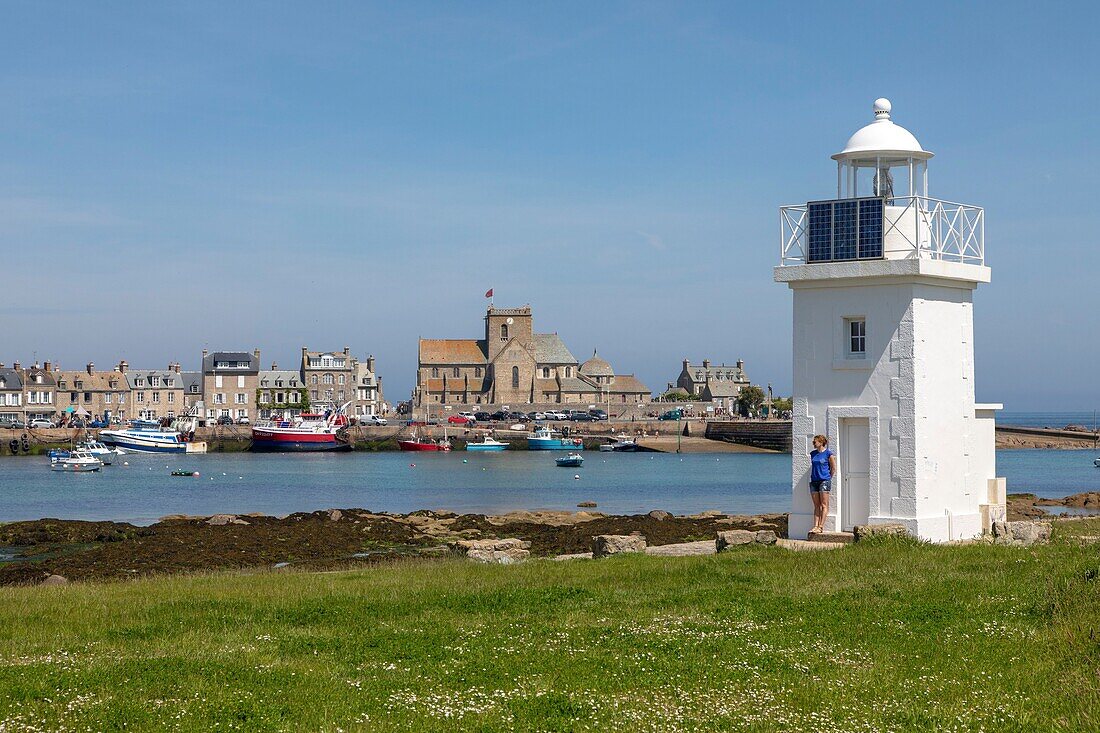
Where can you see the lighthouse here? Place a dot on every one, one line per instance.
(883, 277)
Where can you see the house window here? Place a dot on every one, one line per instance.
(546, 372)
(857, 337)
(240, 382)
(477, 371)
(87, 396)
(72, 397)
(266, 397)
(313, 394)
(569, 371)
(435, 371)
(239, 398)
(171, 397)
(457, 372)
(294, 398)
(154, 381)
(515, 376)
(219, 398)
(218, 381)
(107, 398)
(156, 397)
(140, 397)
(194, 389)
(328, 379)
(504, 332)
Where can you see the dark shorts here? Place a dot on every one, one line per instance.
(816, 486)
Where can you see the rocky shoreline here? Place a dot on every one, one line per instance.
(1030, 506)
(31, 552)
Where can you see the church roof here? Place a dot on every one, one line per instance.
(629, 384)
(550, 349)
(596, 367)
(452, 351)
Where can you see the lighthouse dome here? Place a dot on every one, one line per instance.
(882, 137)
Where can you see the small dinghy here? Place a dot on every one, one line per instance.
(182, 472)
(76, 462)
(573, 460)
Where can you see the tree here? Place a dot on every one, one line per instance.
(751, 397)
(676, 395)
(783, 404)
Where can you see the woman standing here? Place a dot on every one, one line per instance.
(822, 470)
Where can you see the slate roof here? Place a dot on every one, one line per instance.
(11, 379)
(32, 372)
(291, 378)
(192, 378)
(575, 384)
(721, 388)
(550, 349)
(145, 374)
(453, 351)
(234, 356)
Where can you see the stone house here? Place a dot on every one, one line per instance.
(329, 376)
(192, 392)
(281, 393)
(369, 399)
(155, 393)
(693, 378)
(11, 393)
(39, 391)
(614, 389)
(229, 383)
(102, 394)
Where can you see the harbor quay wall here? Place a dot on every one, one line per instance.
(771, 434)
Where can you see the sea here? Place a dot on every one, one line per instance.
(1059, 420)
(139, 488)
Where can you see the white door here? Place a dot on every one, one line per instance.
(855, 475)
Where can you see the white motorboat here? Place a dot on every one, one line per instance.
(486, 444)
(1096, 463)
(76, 462)
(146, 436)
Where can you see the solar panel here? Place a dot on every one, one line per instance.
(846, 229)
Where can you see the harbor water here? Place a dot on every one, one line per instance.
(277, 484)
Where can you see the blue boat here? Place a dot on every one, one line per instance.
(488, 444)
(146, 436)
(573, 460)
(544, 439)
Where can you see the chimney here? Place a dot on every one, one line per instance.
(204, 353)
(686, 363)
(706, 363)
(91, 368)
(370, 363)
(274, 366)
(256, 353)
(347, 351)
(47, 366)
(179, 367)
(123, 366)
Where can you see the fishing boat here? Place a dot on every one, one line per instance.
(424, 444)
(308, 432)
(486, 444)
(147, 436)
(546, 439)
(76, 462)
(573, 460)
(99, 450)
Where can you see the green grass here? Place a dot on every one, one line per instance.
(879, 636)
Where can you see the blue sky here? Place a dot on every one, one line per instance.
(181, 176)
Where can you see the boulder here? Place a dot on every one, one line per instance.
(616, 544)
(219, 520)
(56, 580)
(334, 515)
(464, 547)
(891, 529)
(734, 538)
(500, 557)
(660, 515)
(1021, 534)
(766, 537)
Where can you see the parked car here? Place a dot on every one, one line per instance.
(483, 416)
(13, 424)
(371, 420)
(556, 415)
(672, 415)
(581, 416)
(536, 415)
(41, 422)
(225, 420)
(460, 420)
(518, 416)
(598, 414)
(499, 415)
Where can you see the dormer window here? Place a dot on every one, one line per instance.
(139, 382)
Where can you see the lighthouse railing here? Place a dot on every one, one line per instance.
(912, 227)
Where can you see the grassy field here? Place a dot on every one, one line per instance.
(877, 637)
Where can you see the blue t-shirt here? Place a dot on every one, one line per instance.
(819, 465)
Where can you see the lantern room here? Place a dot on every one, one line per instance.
(883, 160)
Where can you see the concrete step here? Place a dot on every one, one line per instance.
(838, 538)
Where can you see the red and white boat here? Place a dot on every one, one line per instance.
(307, 432)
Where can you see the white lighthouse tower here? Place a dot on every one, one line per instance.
(883, 279)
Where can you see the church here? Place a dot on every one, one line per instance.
(513, 365)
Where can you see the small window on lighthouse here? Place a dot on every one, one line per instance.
(857, 337)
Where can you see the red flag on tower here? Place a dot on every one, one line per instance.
(489, 293)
